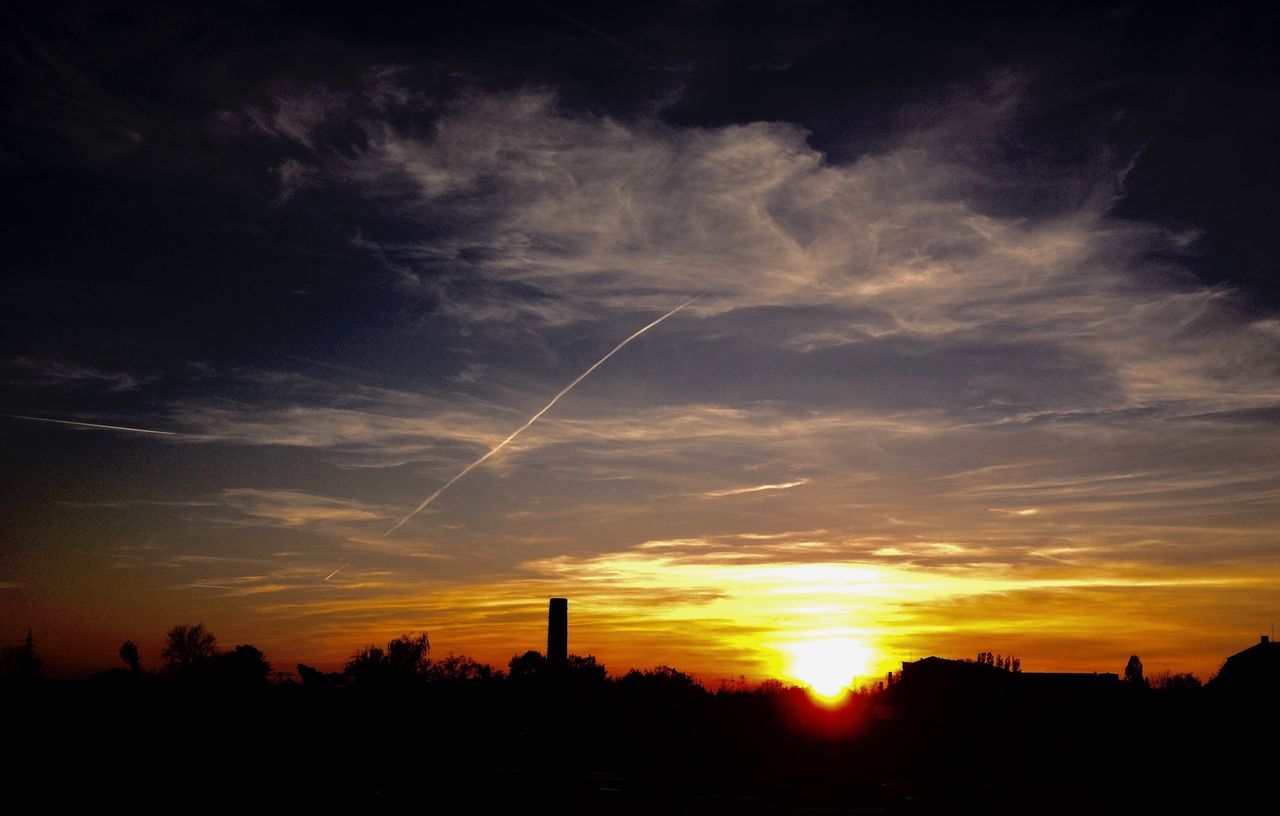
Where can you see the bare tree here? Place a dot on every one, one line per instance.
(1174, 681)
(188, 645)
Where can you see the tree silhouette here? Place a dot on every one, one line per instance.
(407, 655)
(578, 670)
(459, 669)
(528, 666)
(1007, 663)
(586, 669)
(20, 662)
(367, 666)
(661, 680)
(1133, 671)
(404, 661)
(244, 666)
(312, 678)
(129, 654)
(187, 646)
(1171, 681)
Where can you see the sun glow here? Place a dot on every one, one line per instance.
(828, 666)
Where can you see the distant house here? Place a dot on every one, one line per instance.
(1254, 671)
(941, 670)
(944, 681)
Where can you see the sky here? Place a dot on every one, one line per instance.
(985, 354)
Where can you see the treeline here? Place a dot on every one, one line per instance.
(191, 656)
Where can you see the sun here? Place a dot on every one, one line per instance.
(828, 666)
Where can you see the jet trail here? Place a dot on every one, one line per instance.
(477, 463)
(338, 570)
(91, 425)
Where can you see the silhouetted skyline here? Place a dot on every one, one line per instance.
(550, 730)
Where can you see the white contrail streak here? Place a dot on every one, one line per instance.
(91, 425)
(477, 463)
(338, 570)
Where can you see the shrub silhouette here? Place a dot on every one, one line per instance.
(242, 667)
(129, 654)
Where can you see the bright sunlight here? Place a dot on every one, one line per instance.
(828, 665)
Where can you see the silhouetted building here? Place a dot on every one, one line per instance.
(1253, 671)
(1067, 682)
(938, 680)
(558, 631)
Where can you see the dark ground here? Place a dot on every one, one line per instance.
(481, 746)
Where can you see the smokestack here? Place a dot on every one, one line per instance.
(1266, 639)
(558, 631)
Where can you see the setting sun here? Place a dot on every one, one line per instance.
(828, 666)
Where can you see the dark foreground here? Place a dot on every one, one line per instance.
(489, 745)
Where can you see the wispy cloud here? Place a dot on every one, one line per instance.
(593, 213)
(63, 374)
(295, 508)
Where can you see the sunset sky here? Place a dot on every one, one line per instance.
(986, 355)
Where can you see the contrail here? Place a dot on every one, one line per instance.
(477, 463)
(91, 425)
(575, 21)
(338, 570)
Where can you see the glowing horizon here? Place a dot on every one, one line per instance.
(720, 620)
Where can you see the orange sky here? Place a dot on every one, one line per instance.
(713, 607)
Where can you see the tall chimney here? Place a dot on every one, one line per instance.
(558, 631)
